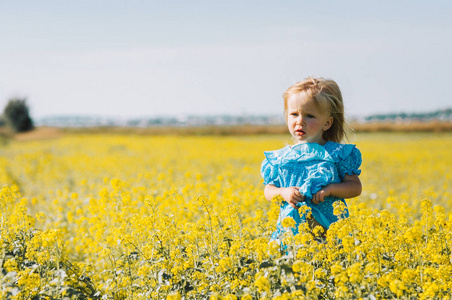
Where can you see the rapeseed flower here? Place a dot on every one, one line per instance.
(193, 223)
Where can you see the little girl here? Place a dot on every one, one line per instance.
(317, 170)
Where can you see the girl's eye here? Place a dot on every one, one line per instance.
(310, 116)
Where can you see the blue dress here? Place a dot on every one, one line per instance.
(310, 167)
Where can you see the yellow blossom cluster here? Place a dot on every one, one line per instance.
(165, 217)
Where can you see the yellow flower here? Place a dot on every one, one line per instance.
(336, 269)
(397, 287)
(297, 266)
(354, 273)
(288, 222)
(40, 216)
(339, 208)
(215, 296)
(116, 184)
(146, 232)
(173, 296)
(348, 242)
(10, 265)
(408, 276)
(28, 281)
(263, 284)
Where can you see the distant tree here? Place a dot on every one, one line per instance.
(16, 115)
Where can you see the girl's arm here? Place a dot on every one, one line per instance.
(291, 194)
(349, 187)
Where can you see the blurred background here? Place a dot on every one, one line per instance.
(166, 63)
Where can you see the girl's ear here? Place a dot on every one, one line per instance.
(328, 124)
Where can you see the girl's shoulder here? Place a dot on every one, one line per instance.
(347, 156)
(274, 157)
(340, 151)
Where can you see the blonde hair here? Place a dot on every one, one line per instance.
(326, 94)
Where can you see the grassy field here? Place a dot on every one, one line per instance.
(137, 216)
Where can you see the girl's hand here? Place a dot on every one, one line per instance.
(292, 196)
(350, 187)
(320, 195)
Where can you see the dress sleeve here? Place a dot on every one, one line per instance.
(350, 164)
(270, 173)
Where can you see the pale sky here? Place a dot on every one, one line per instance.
(148, 58)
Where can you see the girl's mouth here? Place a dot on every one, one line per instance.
(300, 132)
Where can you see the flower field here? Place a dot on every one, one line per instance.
(166, 217)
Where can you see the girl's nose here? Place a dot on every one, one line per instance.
(299, 120)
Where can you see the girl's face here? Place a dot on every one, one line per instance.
(306, 122)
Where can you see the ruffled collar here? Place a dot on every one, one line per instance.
(299, 152)
(330, 151)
